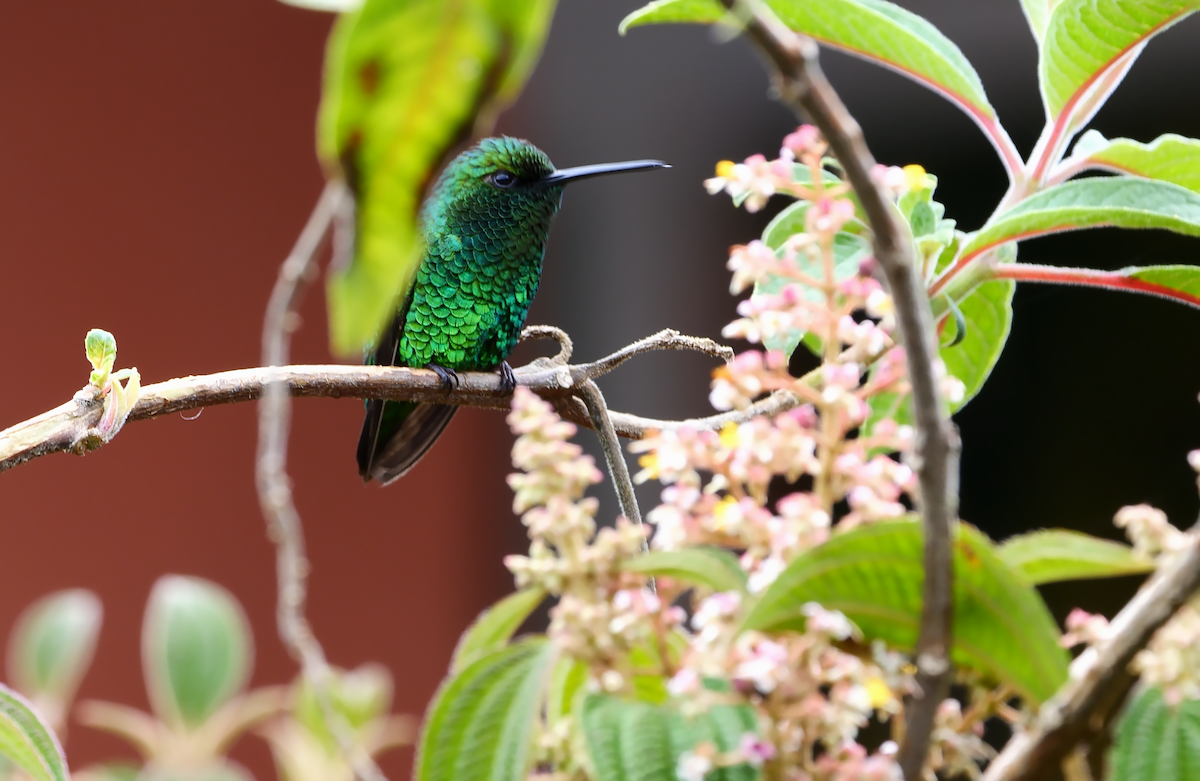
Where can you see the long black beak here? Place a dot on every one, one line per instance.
(584, 171)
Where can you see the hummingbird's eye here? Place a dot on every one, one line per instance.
(503, 179)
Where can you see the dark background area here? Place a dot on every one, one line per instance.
(156, 163)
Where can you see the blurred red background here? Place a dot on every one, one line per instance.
(156, 164)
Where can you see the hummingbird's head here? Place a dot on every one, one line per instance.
(510, 180)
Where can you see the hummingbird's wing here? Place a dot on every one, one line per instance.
(406, 430)
(396, 434)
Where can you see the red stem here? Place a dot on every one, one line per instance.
(1113, 280)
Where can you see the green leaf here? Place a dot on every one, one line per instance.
(875, 30)
(359, 696)
(1085, 38)
(196, 648)
(987, 312)
(101, 348)
(112, 771)
(1053, 555)
(1160, 280)
(28, 741)
(1156, 742)
(1037, 12)
(405, 82)
(217, 770)
(52, 644)
(567, 680)
(1117, 201)
(874, 575)
(626, 740)
(1168, 158)
(480, 725)
(715, 568)
(495, 627)
(630, 740)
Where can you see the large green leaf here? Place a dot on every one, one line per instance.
(495, 627)
(1052, 555)
(1162, 280)
(1118, 201)
(1037, 12)
(715, 568)
(1168, 158)
(987, 316)
(629, 740)
(875, 30)
(52, 644)
(1084, 39)
(567, 680)
(28, 741)
(406, 81)
(197, 649)
(874, 574)
(480, 725)
(1155, 741)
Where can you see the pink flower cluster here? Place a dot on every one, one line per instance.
(602, 613)
(817, 695)
(753, 181)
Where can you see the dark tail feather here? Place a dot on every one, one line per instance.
(396, 435)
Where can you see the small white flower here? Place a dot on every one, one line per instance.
(684, 681)
(612, 681)
(692, 767)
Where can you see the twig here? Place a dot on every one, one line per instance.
(274, 487)
(667, 339)
(565, 346)
(1095, 675)
(804, 89)
(59, 429)
(618, 470)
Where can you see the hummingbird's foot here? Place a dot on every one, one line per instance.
(508, 381)
(448, 377)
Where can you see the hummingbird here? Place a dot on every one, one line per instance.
(484, 225)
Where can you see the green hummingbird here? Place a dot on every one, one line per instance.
(485, 225)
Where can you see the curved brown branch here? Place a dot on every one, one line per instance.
(275, 488)
(65, 428)
(1066, 718)
(803, 87)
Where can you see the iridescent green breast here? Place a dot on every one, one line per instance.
(479, 275)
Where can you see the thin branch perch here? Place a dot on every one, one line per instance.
(803, 87)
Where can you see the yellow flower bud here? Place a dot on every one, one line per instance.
(725, 169)
(916, 177)
(878, 691)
